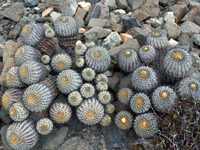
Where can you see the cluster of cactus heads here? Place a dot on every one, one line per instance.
(45, 81)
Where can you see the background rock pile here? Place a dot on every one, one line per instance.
(115, 25)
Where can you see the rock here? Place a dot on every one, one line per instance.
(4, 117)
(97, 22)
(1, 49)
(137, 4)
(173, 30)
(194, 73)
(31, 3)
(180, 10)
(154, 22)
(113, 39)
(129, 22)
(119, 106)
(80, 22)
(167, 2)
(108, 73)
(114, 52)
(113, 82)
(183, 45)
(60, 5)
(1, 28)
(2, 40)
(75, 143)
(191, 15)
(121, 4)
(125, 82)
(185, 37)
(85, 5)
(196, 39)
(80, 13)
(3, 136)
(104, 11)
(119, 11)
(111, 4)
(81, 30)
(149, 9)
(169, 17)
(139, 33)
(92, 1)
(15, 12)
(96, 33)
(15, 32)
(113, 136)
(55, 15)
(43, 1)
(4, 22)
(50, 142)
(39, 11)
(173, 42)
(115, 23)
(130, 3)
(195, 57)
(125, 37)
(190, 28)
(41, 5)
(197, 18)
(47, 11)
(93, 13)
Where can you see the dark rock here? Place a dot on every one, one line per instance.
(2, 40)
(15, 12)
(190, 28)
(167, 2)
(40, 11)
(4, 117)
(15, 32)
(183, 45)
(3, 136)
(121, 4)
(180, 10)
(197, 18)
(92, 1)
(139, 33)
(74, 122)
(111, 4)
(93, 13)
(185, 37)
(43, 19)
(125, 82)
(119, 106)
(104, 11)
(113, 136)
(80, 22)
(129, 22)
(1, 1)
(196, 39)
(113, 82)
(4, 22)
(1, 28)
(191, 15)
(31, 3)
(128, 9)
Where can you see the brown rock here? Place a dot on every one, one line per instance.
(15, 32)
(149, 9)
(190, 28)
(180, 10)
(119, 106)
(81, 30)
(185, 37)
(41, 5)
(80, 13)
(47, 11)
(125, 37)
(191, 15)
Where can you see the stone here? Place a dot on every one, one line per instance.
(154, 22)
(149, 9)
(125, 82)
(169, 17)
(85, 5)
(113, 39)
(130, 3)
(121, 4)
(4, 117)
(119, 11)
(196, 39)
(108, 73)
(129, 22)
(191, 15)
(186, 38)
(137, 4)
(75, 143)
(173, 30)
(132, 44)
(31, 3)
(125, 37)
(15, 12)
(39, 11)
(55, 15)
(194, 73)
(1, 28)
(167, 2)
(183, 45)
(92, 1)
(1, 66)
(113, 82)
(81, 30)
(43, 1)
(80, 22)
(120, 107)
(97, 22)
(15, 32)
(195, 57)
(50, 142)
(115, 23)
(180, 10)
(47, 11)
(3, 136)
(104, 11)
(96, 33)
(1, 49)
(62, 5)
(197, 18)
(41, 5)
(173, 42)
(80, 13)
(190, 28)
(139, 33)
(2, 40)
(111, 4)
(93, 13)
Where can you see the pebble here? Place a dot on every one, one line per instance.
(81, 30)
(85, 5)
(190, 28)
(3, 136)
(113, 82)
(96, 33)
(173, 30)
(154, 22)
(97, 22)
(47, 11)
(104, 11)
(31, 3)
(111, 4)
(169, 17)
(39, 11)
(93, 13)
(186, 38)
(80, 13)
(122, 4)
(173, 42)
(197, 18)
(191, 15)
(125, 37)
(15, 32)
(55, 15)
(183, 45)
(80, 22)
(129, 22)
(113, 39)
(196, 39)
(119, 11)
(125, 82)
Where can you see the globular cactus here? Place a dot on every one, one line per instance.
(68, 81)
(49, 33)
(124, 95)
(105, 121)
(146, 125)
(88, 74)
(26, 53)
(98, 58)
(147, 54)
(128, 60)
(80, 49)
(87, 90)
(163, 99)
(75, 98)
(110, 108)
(22, 135)
(45, 59)
(102, 86)
(104, 97)
(90, 112)
(101, 77)
(80, 62)
(44, 126)
(124, 120)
